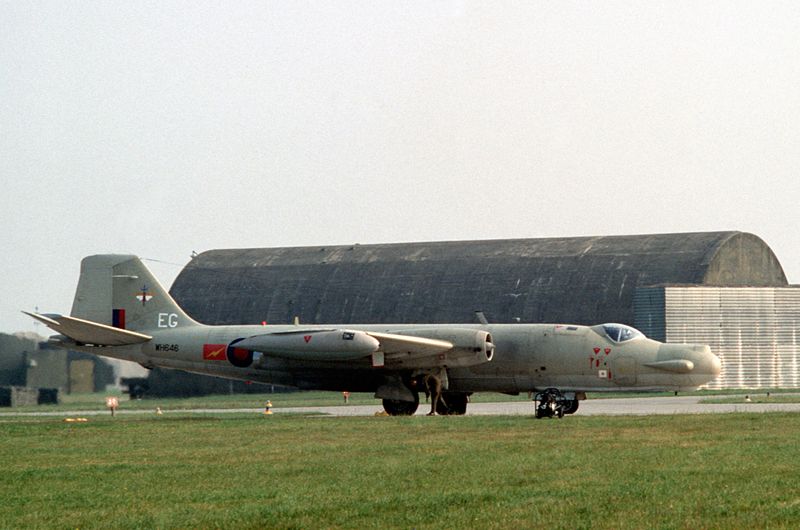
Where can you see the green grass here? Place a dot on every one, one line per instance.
(252, 471)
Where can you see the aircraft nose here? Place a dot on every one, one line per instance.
(714, 361)
(706, 362)
(687, 358)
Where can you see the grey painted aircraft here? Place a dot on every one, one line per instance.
(121, 311)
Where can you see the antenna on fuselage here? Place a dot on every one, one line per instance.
(481, 318)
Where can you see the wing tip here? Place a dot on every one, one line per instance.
(45, 319)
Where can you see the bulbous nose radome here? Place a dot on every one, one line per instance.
(688, 359)
(705, 361)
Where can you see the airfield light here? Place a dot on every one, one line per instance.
(112, 403)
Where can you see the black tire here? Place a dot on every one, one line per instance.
(571, 407)
(455, 404)
(395, 407)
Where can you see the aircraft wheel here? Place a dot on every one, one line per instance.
(395, 407)
(571, 407)
(456, 404)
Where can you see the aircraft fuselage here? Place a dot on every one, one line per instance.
(527, 357)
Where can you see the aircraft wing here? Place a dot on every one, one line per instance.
(396, 346)
(340, 344)
(88, 332)
(415, 349)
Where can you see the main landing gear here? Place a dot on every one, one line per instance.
(551, 402)
(396, 407)
(444, 403)
(450, 404)
(401, 397)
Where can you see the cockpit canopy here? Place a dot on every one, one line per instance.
(621, 332)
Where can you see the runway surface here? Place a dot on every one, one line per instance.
(611, 407)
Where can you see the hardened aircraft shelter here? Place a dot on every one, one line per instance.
(725, 289)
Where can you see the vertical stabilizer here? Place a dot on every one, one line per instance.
(119, 291)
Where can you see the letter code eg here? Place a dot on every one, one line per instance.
(167, 320)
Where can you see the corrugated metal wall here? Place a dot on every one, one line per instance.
(648, 312)
(754, 330)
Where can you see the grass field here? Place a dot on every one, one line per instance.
(255, 471)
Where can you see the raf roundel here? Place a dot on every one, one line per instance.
(144, 295)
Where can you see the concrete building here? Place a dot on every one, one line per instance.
(31, 362)
(726, 289)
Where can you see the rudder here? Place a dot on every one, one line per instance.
(119, 290)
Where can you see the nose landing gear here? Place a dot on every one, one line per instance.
(551, 402)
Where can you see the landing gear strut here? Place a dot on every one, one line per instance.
(433, 390)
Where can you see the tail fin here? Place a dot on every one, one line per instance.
(120, 291)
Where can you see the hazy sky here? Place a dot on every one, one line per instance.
(166, 127)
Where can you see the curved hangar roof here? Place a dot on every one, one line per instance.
(581, 280)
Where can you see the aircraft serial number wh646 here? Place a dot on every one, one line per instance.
(167, 347)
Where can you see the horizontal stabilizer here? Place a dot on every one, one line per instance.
(87, 332)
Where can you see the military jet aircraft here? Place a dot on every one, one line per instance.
(121, 311)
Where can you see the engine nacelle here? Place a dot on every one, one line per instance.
(470, 346)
